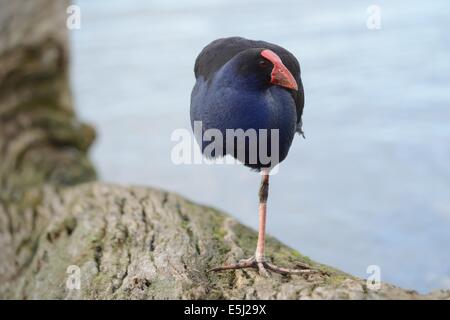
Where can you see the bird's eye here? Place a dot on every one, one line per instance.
(262, 63)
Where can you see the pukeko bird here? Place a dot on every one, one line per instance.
(246, 84)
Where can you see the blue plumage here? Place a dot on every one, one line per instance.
(240, 96)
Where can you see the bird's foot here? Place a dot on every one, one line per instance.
(263, 267)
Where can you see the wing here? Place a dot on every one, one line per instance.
(220, 51)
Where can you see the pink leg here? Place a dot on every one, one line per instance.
(259, 261)
(263, 194)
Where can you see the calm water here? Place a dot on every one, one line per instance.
(369, 185)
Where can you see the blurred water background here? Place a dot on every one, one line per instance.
(369, 185)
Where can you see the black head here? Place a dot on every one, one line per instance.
(263, 68)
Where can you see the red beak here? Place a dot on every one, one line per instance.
(280, 75)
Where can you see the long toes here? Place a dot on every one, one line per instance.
(282, 270)
(263, 267)
(246, 263)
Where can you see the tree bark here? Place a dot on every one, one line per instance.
(40, 138)
(122, 242)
